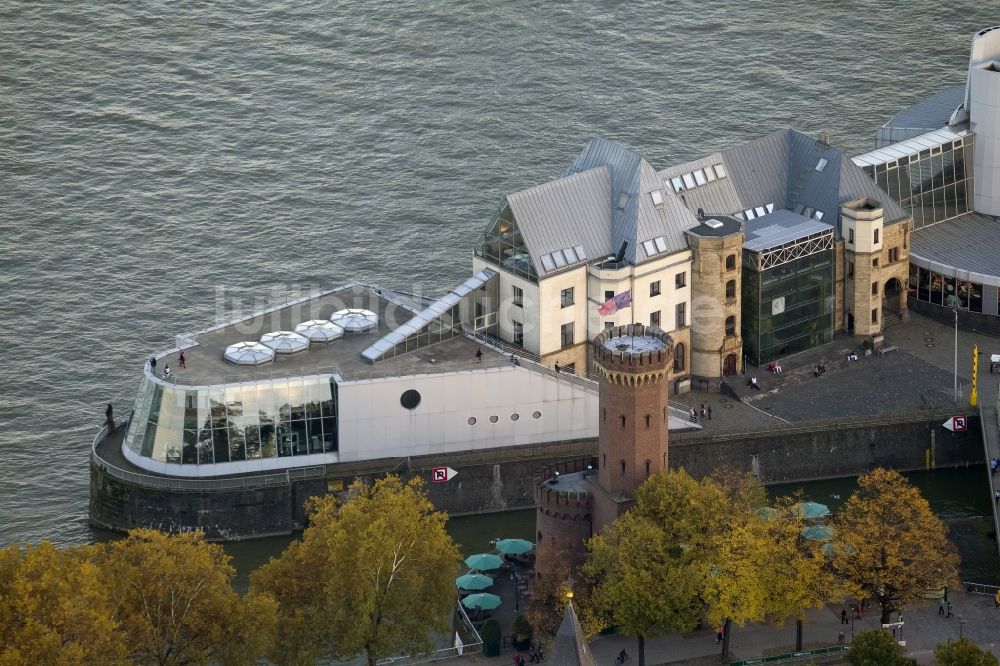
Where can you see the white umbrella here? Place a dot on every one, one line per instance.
(285, 342)
(320, 330)
(248, 353)
(355, 321)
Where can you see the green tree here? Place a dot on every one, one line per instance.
(645, 583)
(375, 574)
(890, 545)
(53, 609)
(174, 601)
(547, 607)
(876, 648)
(962, 653)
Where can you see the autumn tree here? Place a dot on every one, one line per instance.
(373, 575)
(890, 545)
(547, 605)
(54, 610)
(876, 648)
(963, 652)
(645, 582)
(174, 602)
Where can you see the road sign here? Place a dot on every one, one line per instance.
(442, 474)
(957, 424)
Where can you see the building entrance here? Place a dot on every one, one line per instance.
(891, 295)
(729, 365)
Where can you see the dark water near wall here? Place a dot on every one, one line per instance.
(164, 166)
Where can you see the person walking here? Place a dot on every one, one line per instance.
(479, 355)
(718, 634)
(152, 364)
(843, 617)
(950, 614)
(941, 606)
(557, 366)
(181, 361)
(710, 412)
(703, 412)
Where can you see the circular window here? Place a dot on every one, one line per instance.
(536, 415)
(514, 417)
(494, 419)
(410, 399)
(472, 420)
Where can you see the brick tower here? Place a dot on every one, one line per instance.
(633, 362)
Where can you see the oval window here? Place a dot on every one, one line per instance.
(410, 399)
(472, 420)
(494, 419)
(536, 415)
(514, 417)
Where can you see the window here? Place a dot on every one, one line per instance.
(850, 270)
(608, 325)
(608, 295)
(679, 357)
(731, 262)
(654, 318)
(874, 288)
(875, 316)
(680, 280)
(623, 200)
(730, 289)
(518, 296)
(654, 288)
(518, 333)
(566, 297)
(850, 236)
(874, 262)
(731, 325)
(680, 320)
(876, 237)
(821, 164)
(893, 255)
(566, 334)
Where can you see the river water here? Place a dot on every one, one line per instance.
(163, 166)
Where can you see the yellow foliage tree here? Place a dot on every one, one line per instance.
(890, 545)
(375, 575)
(173, 599)
(547, 606)
(54, 610)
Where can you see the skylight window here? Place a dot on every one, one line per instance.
(677, 184)
(714, 224)
(657, 197)
(649, 247)
(570, 255)
(748, 214)
(661, 244)
(821, 164)
(818, 215)
(623, 200)
(720, 171)
(547, 263)
(699, 177)
(759, 211)
(689, 181)
(557, 257)
(709, 174)
(581, 255)
(770, 207)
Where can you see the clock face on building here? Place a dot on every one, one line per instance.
(778, 305)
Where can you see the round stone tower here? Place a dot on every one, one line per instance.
(633, 362)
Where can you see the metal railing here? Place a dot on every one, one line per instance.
(262, 480)
(794, 657)
(980, 588)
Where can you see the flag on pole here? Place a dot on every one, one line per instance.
(616, 303)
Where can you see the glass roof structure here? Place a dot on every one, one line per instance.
(439, 315)
(354, 320)
(320, 330)
(503, 245)
(285, 342)
(248, 353)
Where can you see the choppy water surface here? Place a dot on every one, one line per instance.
(162, 165)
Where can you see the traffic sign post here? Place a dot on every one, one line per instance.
(957, 423)
(442, 474)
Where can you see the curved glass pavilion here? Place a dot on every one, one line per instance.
(208, 425)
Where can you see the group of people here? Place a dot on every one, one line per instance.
(534, 655)
(774, 367)
(167, 372)
(994, 465)
(705, 413)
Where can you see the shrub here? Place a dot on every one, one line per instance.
(522, 633)
(876, 648)
(491, 638)
(962, 653)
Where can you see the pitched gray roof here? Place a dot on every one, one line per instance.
(570, 211)
(781, 169)
(570, 647)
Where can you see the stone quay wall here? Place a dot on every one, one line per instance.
(507, 479)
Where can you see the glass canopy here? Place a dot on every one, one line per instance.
(503, 245)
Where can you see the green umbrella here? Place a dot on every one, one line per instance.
(484, 561)
(812, 510)
(818, 533)
(471, 581)
(481, 601)
(515, 546)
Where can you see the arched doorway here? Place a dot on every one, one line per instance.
(892, 294)
(729, 365)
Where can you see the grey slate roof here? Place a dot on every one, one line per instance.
(778, 228)
(970, 244)
(570, 647)
(930, 113)
(780, 168)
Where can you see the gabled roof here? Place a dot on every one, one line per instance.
(788, 169)
(570, 647)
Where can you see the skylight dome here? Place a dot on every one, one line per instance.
(248, 353)
(285, 342)
(354, 320)
(319, 330)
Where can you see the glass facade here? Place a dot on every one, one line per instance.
(787, 308)
(925, 285)
(232, 423)
(934, 185)
(503, 245)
